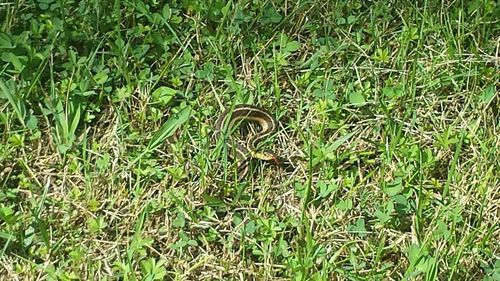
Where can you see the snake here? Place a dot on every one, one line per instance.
(245, 112)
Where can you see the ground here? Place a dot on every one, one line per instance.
(387, 110)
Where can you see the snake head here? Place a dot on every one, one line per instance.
(270, 156)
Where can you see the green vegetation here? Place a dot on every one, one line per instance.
(388, 111)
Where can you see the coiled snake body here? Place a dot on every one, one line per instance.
(244, 153)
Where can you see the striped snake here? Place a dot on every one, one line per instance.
(245, 112)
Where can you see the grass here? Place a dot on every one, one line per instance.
(388, 112)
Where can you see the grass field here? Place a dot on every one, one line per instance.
(388, 113)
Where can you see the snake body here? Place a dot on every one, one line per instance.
(245, 112)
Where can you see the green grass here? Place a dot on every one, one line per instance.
(388, 112)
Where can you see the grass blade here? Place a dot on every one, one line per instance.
(167, 130)
(9, 92)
